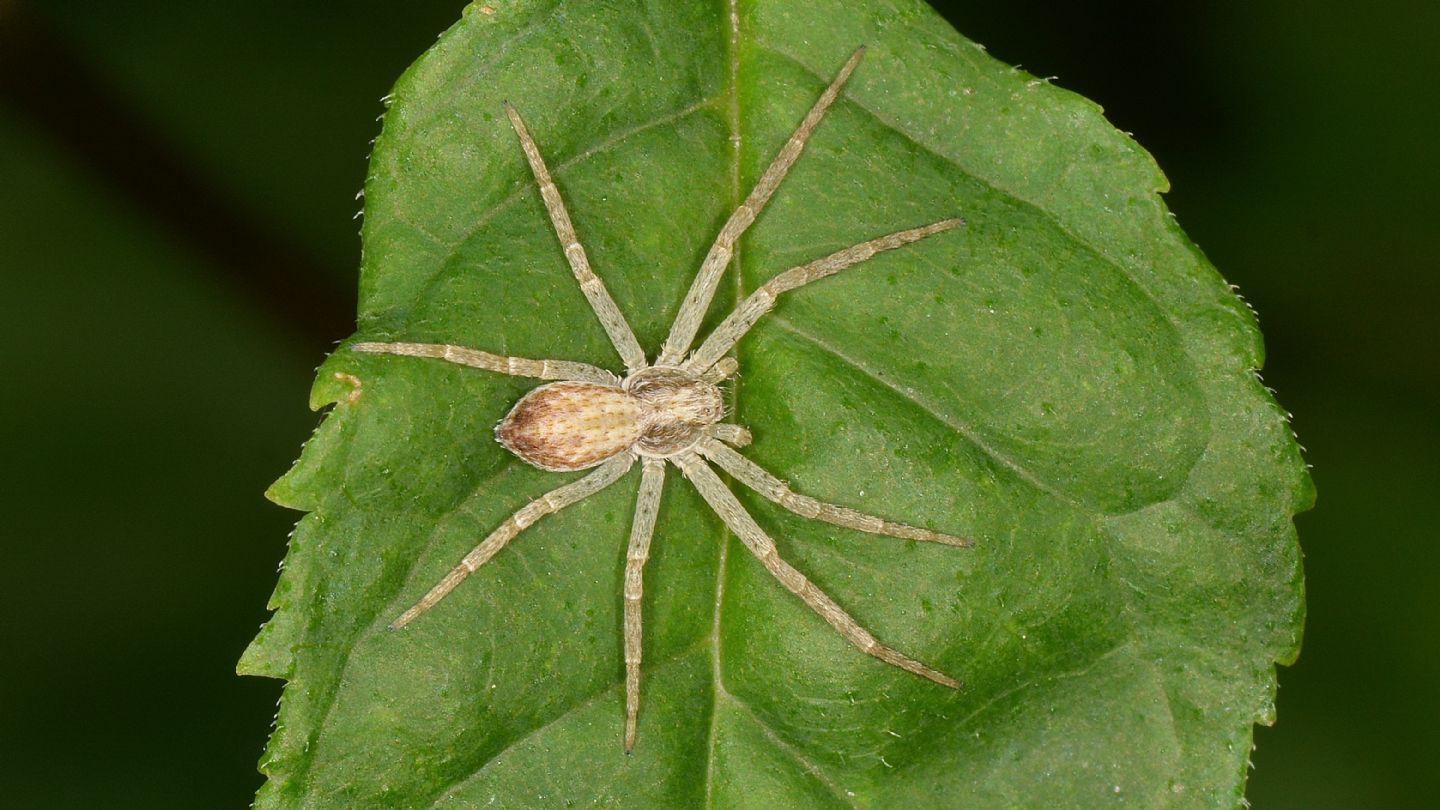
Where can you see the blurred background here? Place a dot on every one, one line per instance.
(177, 253)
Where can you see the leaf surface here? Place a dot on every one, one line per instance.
(1065, 379)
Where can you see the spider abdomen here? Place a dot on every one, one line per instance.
(567, 426)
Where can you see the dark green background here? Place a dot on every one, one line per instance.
(177, 254)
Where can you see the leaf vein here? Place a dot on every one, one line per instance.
(580, 705)
(800, 759)
(989, 183)
(964, 430)
(524, 186)
(385, 610)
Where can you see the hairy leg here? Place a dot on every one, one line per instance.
(647, 505)
(723, 369)
(552, 501)
(738, 322)
(757, 478)
(474, 358)
(605, 309)
(723, 501)
(702, 290)
(730, 434)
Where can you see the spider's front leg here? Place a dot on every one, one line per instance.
(594, 289)
(744, 316)
(725, 504)
(757, 478)
(723, 369)
(702, 289)
(730, 434)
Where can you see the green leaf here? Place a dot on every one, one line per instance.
(1066, 380)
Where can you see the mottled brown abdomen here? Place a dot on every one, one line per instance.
(570, 425)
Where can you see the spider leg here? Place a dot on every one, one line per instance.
(605, 309)
(757, 478)
(723, 369)
(474, 358)
(552, 501)
(723, 501)
(738, 322)
(730, 434)
(702, 290)
(647, 504)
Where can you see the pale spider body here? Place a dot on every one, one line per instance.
(667, 413)
(656, 412)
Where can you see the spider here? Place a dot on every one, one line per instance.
(670, 410)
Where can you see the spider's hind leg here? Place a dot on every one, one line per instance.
(647, 505)
(552, 501)
(474, 358)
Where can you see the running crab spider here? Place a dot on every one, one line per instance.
(589, 418)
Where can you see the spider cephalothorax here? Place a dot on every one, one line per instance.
(675, 409)
(668, 412)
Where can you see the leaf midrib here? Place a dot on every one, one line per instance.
(732, 119)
